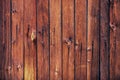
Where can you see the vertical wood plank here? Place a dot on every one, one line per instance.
(30, 40)
(2, 54)
(68, 39)
(104, 40)
(114, 40)
(93, 40)
(55, 40)
(43, 39)
(17, 39)
(80, 40)
(7, 39)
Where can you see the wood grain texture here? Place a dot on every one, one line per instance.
(2, 54)
(43, 39)
(30, 40)
(59, 39)
(68, 39)
(80, 40)
(55, 40)
(7, 39)
(93, 40)
(104, 40)
(114, 40)
(17, 39)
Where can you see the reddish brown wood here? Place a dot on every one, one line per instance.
(80, 40)
(43, 39)
(55, 40)
(104, 40)
(7, 40)
(68, 39)
(114, 40)
(30, 40)
(2, 54)
(93, 40)
(17, 39)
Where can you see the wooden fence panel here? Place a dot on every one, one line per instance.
(55, 40)
(80, 39)
(43, 39)
(68, 39)
(17, 39)
(30, 40)
(59, 40)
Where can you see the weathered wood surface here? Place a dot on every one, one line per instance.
(104, 40)
(55, 40)
(43, 39)
(93, 40)
(114, 40)
(80, 39)
(68, 39)
(30, 42)
(59, 40)
(17, 39)
(7, 38)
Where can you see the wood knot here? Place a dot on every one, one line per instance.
(68, 41)
(33, 35)
(113, 27)
(19, 67)
(9, 68)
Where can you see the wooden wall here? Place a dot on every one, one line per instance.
(59, 39)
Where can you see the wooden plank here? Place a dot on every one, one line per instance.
(104, 40)
(30, 40)
(68, 39)
(114, 40)
(55, 40)
(43, 39)
(93, 40)
(80, 40)
(17, 39)
(7, 39)
(2, 54)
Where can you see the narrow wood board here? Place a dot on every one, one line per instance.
(104, 40)
(30, 40)
(68, 39)
(43, 39)
(2, 44)
(55, 40)
(114, 40)
(17, 39)
(93, 40)
(7, 39)
(80, 39)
